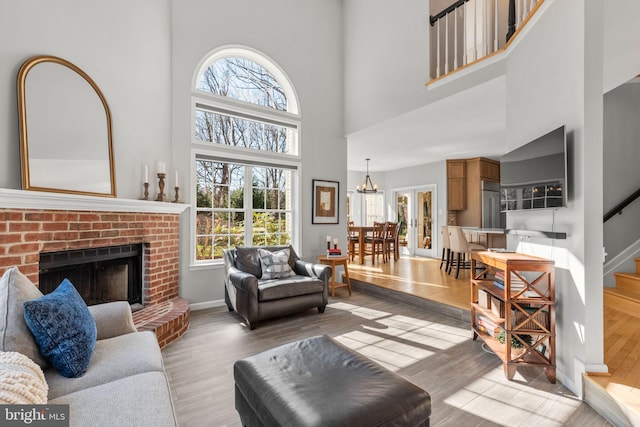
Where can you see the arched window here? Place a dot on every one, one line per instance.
(246, 145)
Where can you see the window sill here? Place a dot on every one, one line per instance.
(215, 265)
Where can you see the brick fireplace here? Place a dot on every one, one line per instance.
(69, 223)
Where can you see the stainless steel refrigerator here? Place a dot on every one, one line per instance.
(491, 215)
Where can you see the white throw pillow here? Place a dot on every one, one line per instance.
(21, 380)
(275, 265)
(15, 289)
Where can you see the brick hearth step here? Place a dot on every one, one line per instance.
(169, 319)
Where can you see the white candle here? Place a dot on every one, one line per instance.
(335, 241)
(328, 238)
(177, 182)
(146, 173)
(161, 167)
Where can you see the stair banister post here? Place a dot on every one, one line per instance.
(475, 31)
(485, 32)
(446, 43)
(464, 34)
(438, 49)
(495, 26)
(512, 19)
(455, 39)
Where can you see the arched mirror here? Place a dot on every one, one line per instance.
(65, 130)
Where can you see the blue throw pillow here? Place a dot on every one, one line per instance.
(63, 328)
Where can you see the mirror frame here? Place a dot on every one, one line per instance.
(22, 118)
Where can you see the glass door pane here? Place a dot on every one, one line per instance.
(404, 219)
(424, 219)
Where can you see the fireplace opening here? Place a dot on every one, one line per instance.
(100, 275)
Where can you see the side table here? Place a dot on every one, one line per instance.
(333, 261)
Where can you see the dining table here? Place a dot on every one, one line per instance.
(362, 231)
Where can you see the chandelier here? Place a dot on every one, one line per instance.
(367, 186)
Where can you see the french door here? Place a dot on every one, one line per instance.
(416, 213)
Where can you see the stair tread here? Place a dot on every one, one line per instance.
(627, 274)
(626, 291)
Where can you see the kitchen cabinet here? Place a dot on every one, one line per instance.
(456, 185)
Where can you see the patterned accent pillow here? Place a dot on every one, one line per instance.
(63, 328)
(275, 265)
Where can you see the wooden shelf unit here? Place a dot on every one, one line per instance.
(528, 300)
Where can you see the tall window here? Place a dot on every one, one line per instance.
(245, 138)
(373, 208)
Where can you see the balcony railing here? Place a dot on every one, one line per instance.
(470, 30)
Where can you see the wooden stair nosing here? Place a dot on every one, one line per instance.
(628, 275)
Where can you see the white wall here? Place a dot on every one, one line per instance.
(304, 37)
(123, 45)
(621, 172)
(539, 99)
(621, 40)
(386, 58)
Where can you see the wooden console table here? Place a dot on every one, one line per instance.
(524, 308)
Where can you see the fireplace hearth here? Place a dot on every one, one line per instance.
(100, 275)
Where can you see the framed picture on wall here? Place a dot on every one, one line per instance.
(325, 202)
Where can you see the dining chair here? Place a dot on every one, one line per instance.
(391, 240)
(460, 248)
(354, 240)
(375, 242)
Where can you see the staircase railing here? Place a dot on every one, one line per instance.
(470, 30)
(617, 209)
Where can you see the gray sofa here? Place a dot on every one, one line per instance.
(125, 384)
(256, 299)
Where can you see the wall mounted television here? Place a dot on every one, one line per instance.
(534, 176)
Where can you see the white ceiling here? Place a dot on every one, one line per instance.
(469, 124)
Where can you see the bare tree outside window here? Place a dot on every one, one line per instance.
(224, 217)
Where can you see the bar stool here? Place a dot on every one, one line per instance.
(446, 248)
(460, 247)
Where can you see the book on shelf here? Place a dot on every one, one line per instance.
(485, 330)
(492, 332)
(488, 326)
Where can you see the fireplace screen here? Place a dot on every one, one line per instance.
(99, 274)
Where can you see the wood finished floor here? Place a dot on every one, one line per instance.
(467, 384)
(622, 350)
(421, 277)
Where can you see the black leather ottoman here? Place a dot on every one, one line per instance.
(320, 382)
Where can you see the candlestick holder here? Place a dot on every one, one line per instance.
(146, 191)
(161, 196)
(335, 246)
(328, 245)
(177, 199)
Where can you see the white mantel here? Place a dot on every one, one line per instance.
(24, 199)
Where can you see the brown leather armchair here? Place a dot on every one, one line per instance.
(255, 299)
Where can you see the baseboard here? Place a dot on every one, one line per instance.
(207, 304)
(606, 405)
(412, 300)
(629, 253)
